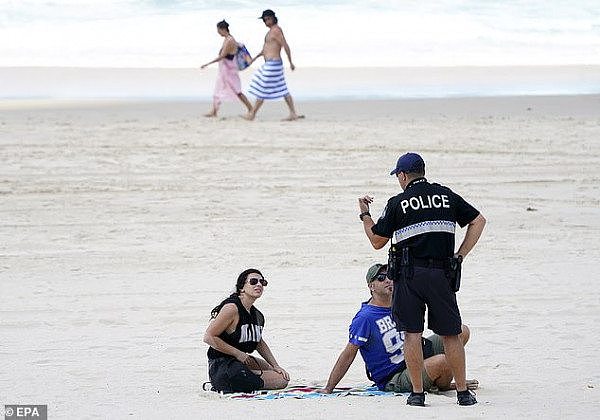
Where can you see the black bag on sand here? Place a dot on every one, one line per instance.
(228, 375)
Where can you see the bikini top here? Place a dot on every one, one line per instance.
(228, 56)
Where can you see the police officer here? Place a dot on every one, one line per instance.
(421, 222)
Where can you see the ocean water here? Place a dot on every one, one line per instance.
(561, 39)
(321, 33)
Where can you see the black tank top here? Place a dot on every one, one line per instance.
(248, 331)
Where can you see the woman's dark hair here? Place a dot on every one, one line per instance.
(241, 280)
(223, 25)
(239, 285)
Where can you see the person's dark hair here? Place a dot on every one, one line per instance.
(416, 174)
(239, 285)
(271, 16)
(241, 280)
(223, 25)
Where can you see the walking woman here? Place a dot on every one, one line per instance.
(228, 85)
(234, 332)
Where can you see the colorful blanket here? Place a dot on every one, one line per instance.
(304, 392)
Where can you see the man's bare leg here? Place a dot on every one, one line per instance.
(465, 334)
(290, 103)
(438, 370)
(413, 354)
(455, 355)
(252, 113)
(245, 101)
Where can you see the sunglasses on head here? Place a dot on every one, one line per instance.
(254, 281)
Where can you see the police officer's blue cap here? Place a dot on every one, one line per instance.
(409, 162)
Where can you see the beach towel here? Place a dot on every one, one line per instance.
(228, 83)
(242, 57)
(268, 81)
(307, 392)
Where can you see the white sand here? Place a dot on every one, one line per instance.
(122, 225)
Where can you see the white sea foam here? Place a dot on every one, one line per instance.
(161, 33)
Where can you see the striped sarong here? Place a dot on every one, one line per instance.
(268, 81)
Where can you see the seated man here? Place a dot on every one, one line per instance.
(381, 345)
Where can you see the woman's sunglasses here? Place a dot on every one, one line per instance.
(254, 282)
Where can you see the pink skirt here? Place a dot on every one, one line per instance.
(228, 81)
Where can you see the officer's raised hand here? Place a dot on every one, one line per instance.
(363, 203)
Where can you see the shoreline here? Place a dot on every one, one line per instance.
(310, 83)
(571, 105)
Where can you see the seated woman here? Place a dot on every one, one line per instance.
(234, 332)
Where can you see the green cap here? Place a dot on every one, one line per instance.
(373, 271)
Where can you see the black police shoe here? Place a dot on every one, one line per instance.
(416, 399)
(465, 398)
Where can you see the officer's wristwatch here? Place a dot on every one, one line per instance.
(363, 214)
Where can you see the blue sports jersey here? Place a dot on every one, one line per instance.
(381, 345)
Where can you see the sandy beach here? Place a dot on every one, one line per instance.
(123, 223)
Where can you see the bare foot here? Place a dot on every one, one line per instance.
(249, 116)
(211, 115)
(293, 117)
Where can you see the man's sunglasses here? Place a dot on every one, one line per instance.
(254, 282)
(381, 277)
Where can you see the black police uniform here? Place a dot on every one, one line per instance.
(226, 373)
(423, 219)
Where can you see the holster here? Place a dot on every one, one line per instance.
(453, 272)
(393, 263)
(399, 264)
